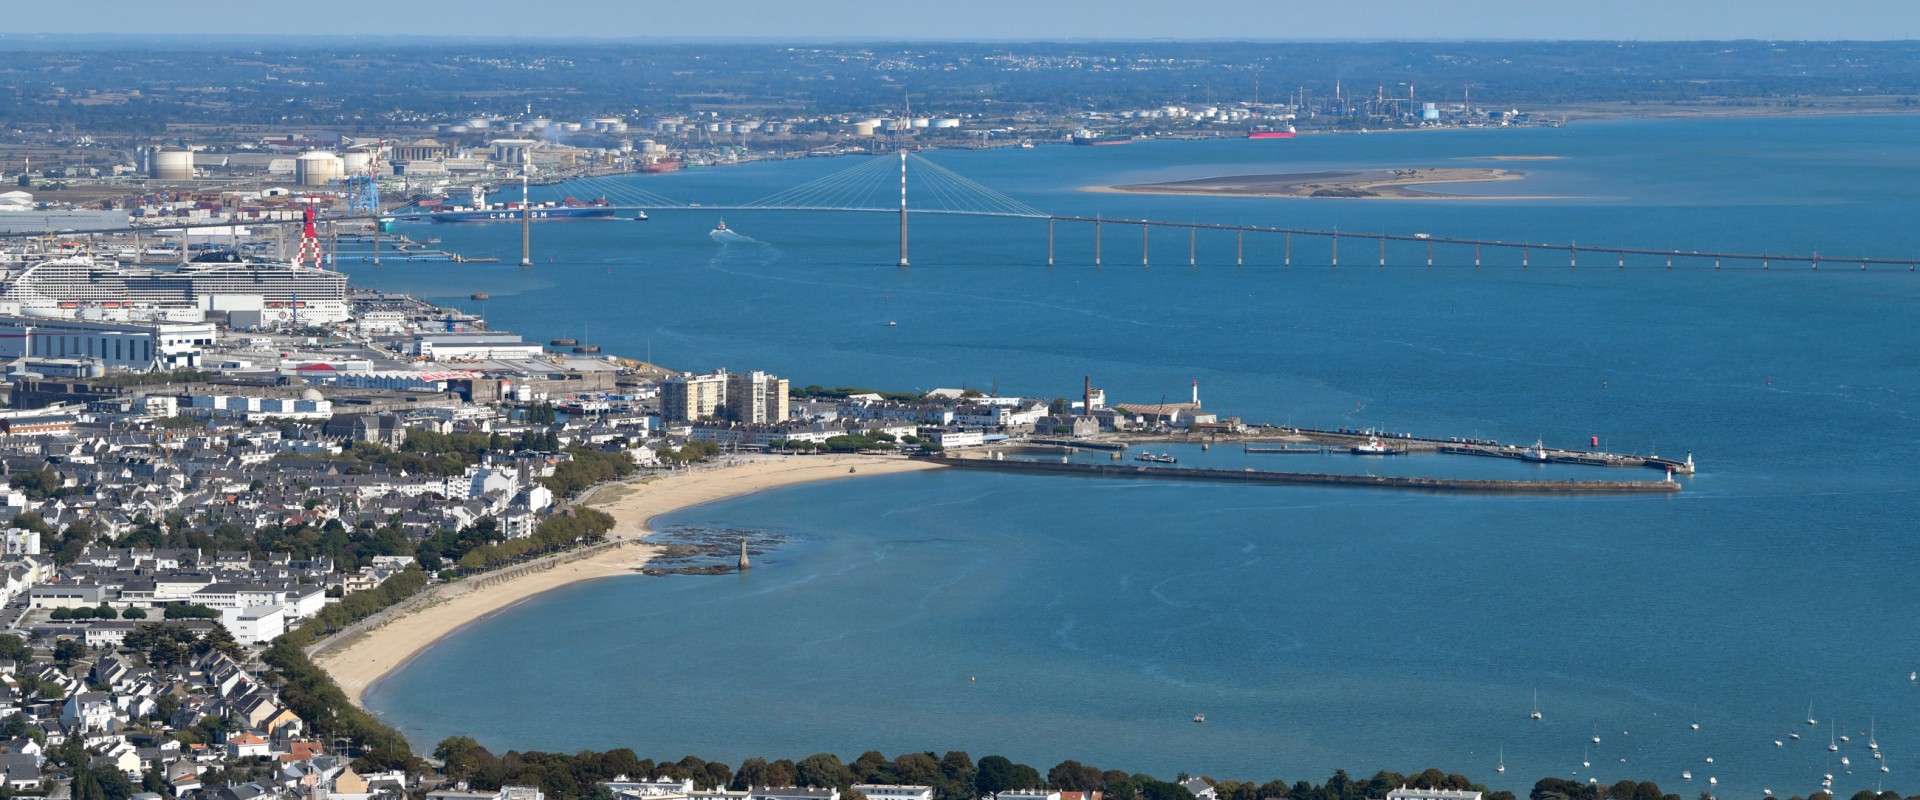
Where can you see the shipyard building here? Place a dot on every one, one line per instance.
(118, 347)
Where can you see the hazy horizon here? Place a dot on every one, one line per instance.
(994, 20)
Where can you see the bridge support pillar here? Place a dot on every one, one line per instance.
(1288, 263)
(1383, 252)
(1240, 248)
(1143, 244)
(1429, 255)
(1476, 256)
(1623, 260)
(1523, 258)
(1573, 258)
(1336, 251)
(1096, 242)
(1193, 235)
(1049, 241)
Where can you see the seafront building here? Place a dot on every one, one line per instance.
(756, 398)
(685, 398)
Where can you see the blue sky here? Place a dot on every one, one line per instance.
(989, 19)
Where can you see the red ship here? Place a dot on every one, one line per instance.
(1283, 133)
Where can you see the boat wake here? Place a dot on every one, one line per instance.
(733, 237)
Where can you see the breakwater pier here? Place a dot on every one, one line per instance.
(1461, 485)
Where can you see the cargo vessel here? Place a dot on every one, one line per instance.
(1087, 138)
(659, 165)
(482, 211)
(1272, 133)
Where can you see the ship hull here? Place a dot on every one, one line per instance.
(514, 215)
(1101, 141)
(1271, 135)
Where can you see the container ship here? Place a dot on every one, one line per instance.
(1272, 133)
(482, 211)
(1087, 138)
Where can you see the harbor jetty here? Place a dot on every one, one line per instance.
(1474, 486)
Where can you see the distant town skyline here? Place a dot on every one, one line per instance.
(993, 19)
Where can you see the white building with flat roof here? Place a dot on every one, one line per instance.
(888, 791)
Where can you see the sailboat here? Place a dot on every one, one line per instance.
(1583, 758)
(1832, 746)
(1536, 704)
(1696, 718)
(1596, 734)
(1873, 742)
(1686, 776)
(1503, 761)
(1810, 719)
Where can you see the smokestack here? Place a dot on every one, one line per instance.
(1086, 399)
(1196, 394)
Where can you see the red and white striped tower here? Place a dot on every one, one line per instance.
(309, 244)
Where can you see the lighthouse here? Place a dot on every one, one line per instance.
(744, 565)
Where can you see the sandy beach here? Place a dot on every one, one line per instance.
(1393, 184)
(358, 662)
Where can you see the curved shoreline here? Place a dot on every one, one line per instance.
(359, 661)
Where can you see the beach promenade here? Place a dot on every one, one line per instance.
(359, 660)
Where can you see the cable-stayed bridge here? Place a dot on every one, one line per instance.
(910, 184)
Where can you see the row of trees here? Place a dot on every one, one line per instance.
(311, 693)
(103, 612)
(581, 525)
(954, 776)
(587, 467)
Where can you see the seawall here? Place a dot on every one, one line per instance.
(1312, 478)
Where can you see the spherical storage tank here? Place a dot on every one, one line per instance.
(172, 164)
(317, 167)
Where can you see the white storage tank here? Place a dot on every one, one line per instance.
(922, 122)
(317, 168)
(355, 162)
(946, 122)
(171, 164)
(863, 128)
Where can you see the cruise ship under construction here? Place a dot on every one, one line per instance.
(88, 288)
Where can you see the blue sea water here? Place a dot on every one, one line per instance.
(1318, 629)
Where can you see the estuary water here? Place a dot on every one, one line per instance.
(1046, 618)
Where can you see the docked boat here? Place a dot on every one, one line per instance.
(1163, 458)
(1537, 453)
(482, 296)
(1087, 138)
(1374, 447)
